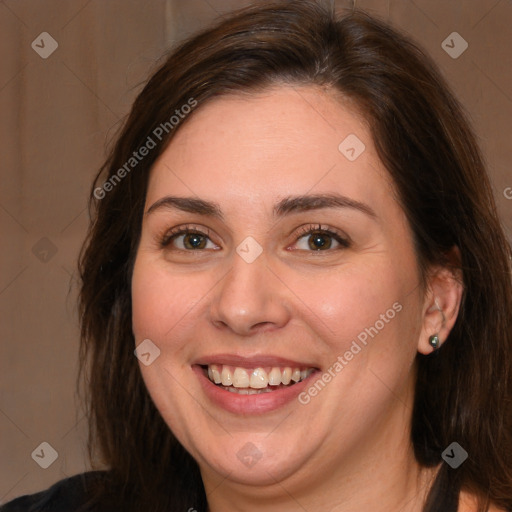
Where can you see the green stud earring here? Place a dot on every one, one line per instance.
(434, 341)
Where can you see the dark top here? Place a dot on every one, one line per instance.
(68, 495)
(72, 494)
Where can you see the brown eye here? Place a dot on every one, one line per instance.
(319, 241)
(188, 240)
(194, 241)
(314, 238)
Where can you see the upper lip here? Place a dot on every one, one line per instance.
(251, 361)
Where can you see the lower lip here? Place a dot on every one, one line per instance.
(249, 404)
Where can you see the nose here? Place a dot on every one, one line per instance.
(250, 299)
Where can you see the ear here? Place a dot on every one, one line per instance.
(443, 296)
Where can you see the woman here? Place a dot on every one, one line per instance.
(296, 234)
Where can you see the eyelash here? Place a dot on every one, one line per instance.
(181, 230)
(344, 241)
(311, 229)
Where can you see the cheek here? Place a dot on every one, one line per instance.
(161, 301)
(350, 299)
(163, 305)
(369, 315)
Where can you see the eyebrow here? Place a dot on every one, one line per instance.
(286, 206)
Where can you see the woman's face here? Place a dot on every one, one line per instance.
(299, 264)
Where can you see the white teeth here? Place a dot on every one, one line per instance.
(215, 374)
(227, 378)
(286, 376)
(240, 378)
(259, 379)
(236, 379)
(274, 377)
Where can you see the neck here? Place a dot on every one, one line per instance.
(407, 495)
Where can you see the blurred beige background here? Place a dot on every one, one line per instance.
(57, 114)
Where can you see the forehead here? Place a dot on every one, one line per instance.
(283, 141)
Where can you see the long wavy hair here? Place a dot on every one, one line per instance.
(463, 391)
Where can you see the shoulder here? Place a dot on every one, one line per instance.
(67, 495)
(469, 503)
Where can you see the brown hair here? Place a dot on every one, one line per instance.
(463, 391)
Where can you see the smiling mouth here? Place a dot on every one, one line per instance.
(251, 381)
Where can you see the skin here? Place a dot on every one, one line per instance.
(348, 449)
